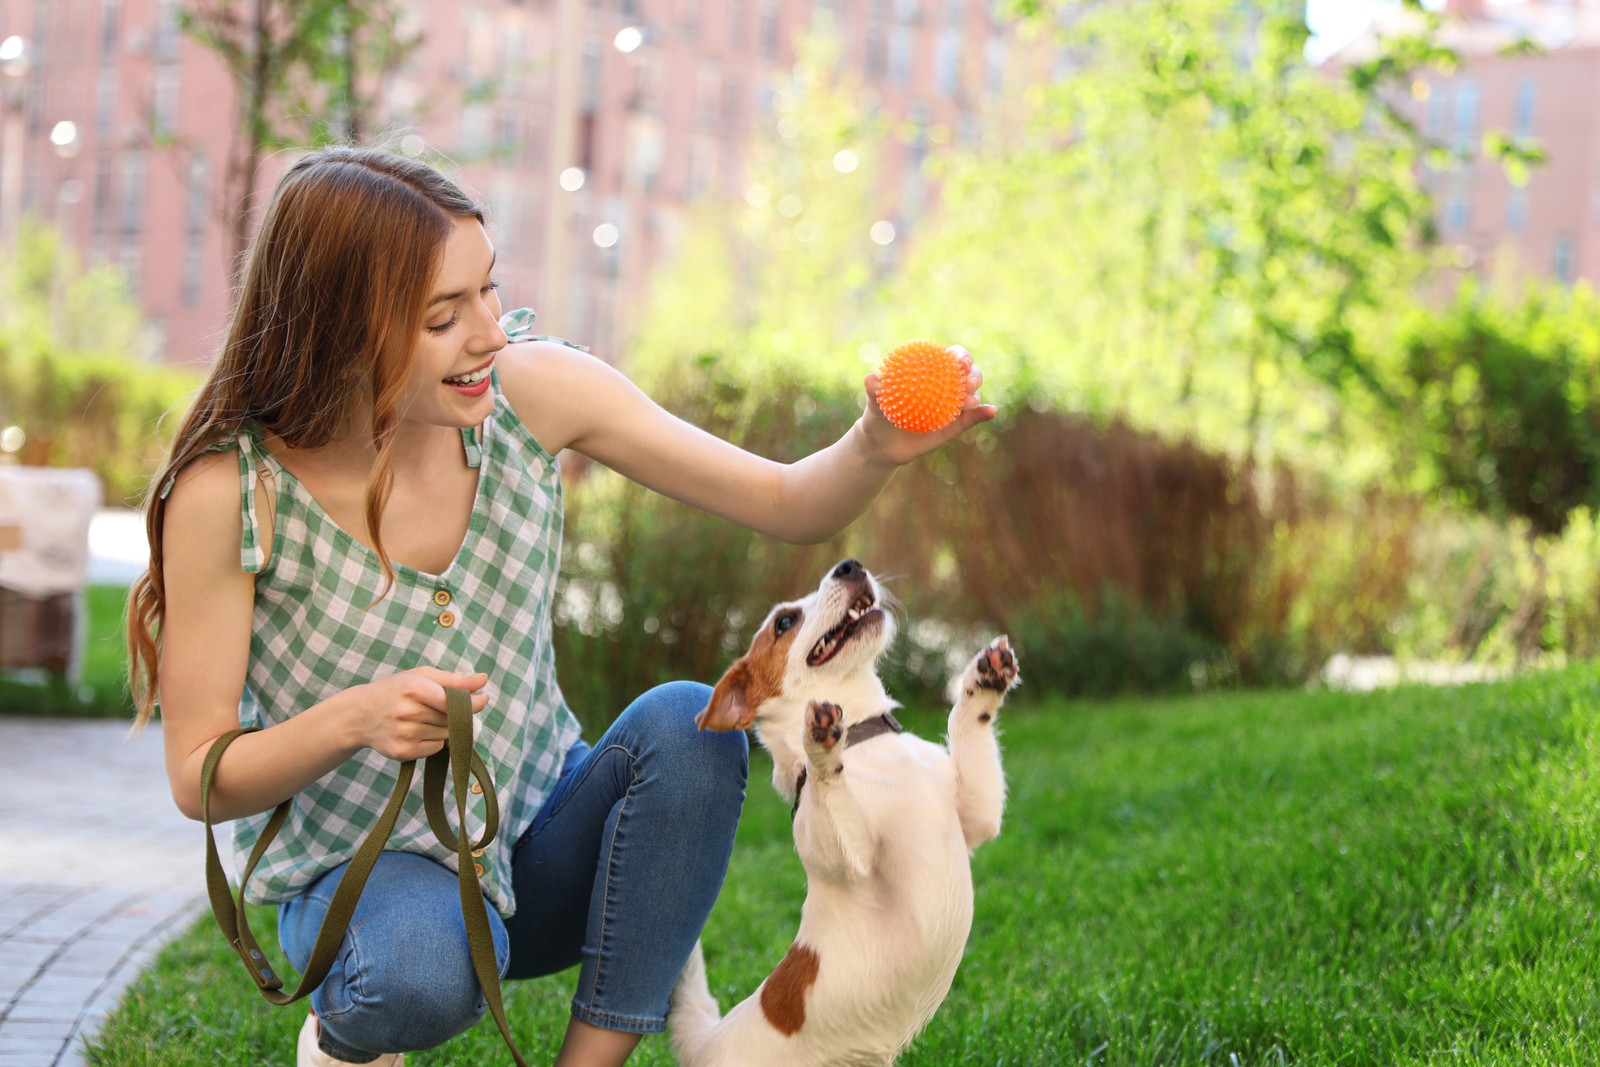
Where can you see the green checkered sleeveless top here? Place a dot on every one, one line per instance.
(490, 610)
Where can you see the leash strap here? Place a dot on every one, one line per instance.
(460, 761)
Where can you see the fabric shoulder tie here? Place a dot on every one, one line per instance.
(252, 553)
(518, 326)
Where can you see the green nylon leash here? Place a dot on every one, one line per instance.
(460, 761)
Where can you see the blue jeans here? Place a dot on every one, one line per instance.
(618, 873)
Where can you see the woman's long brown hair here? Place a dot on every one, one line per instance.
(327, 314)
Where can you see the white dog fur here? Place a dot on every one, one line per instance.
(884, 826)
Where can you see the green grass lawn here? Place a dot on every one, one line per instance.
(1399, 878)
(103, 689)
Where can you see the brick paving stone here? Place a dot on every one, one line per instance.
(98, 870)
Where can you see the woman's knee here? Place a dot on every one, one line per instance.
(403, 979)
(378, 1001)
(703, 758)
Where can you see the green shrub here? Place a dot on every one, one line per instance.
(1505, 399)
(1119, 649)
(1117, 561)
(75, 376)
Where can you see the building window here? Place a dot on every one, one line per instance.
(732, 107)
(1562, 260)
(707, 96)
(130, 260)
(165, 113)
(198, 196)
(589, 86)
(105, 101)
(994, 64)
(900, 43)
(947, 62)
(133, 190)
(507, 219)
(645, 153)
(1457, 213)
(1527, 94)
(702, 170)
(610, 254)
(31, 183)
(647, 92)
(771, 27)
(476, 121)
(101, 216)
(168, 34)
(914, 192)
(689, 18)
(1517, 210)
(877, 46)
(199, 193)
(1466, 116)
(110, 27)
(1438, 104)
(193, 270)
(732, 165)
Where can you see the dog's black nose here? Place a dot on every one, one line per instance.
(849, 569)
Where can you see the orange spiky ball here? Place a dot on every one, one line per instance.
(922, 387)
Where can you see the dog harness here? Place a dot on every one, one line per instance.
(861, 731)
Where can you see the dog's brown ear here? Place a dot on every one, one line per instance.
(729, 708)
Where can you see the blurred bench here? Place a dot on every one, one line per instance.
(45, 514)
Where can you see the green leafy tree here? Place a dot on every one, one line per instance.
(304, 72)
(782, 282)
(1195, 228)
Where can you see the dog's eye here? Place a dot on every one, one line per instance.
(784, 623)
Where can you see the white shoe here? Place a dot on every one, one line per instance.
(308, 1054)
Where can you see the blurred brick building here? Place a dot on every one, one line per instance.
(1530, 69)
(587, 125)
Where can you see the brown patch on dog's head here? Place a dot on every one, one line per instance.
(754, 678)
(783, 995)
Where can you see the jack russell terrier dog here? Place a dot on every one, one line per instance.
(884, 823)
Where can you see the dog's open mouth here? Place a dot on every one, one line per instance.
(862, 609)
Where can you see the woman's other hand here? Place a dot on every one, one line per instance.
(889, 444)
(404, 716)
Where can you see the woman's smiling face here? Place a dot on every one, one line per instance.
(448, 383)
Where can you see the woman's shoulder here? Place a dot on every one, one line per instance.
(552, 386)
(203, 506)
(210, 479)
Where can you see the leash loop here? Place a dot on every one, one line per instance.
(459, 761)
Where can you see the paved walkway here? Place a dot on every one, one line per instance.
(97, 871)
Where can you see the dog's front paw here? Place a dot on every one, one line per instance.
(824, 731)
(990, 675)
(996, 666)
(824, 726)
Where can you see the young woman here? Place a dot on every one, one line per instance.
(363, 508)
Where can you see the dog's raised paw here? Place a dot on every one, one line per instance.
(996, 665)
(993, 671)
(824, 724)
